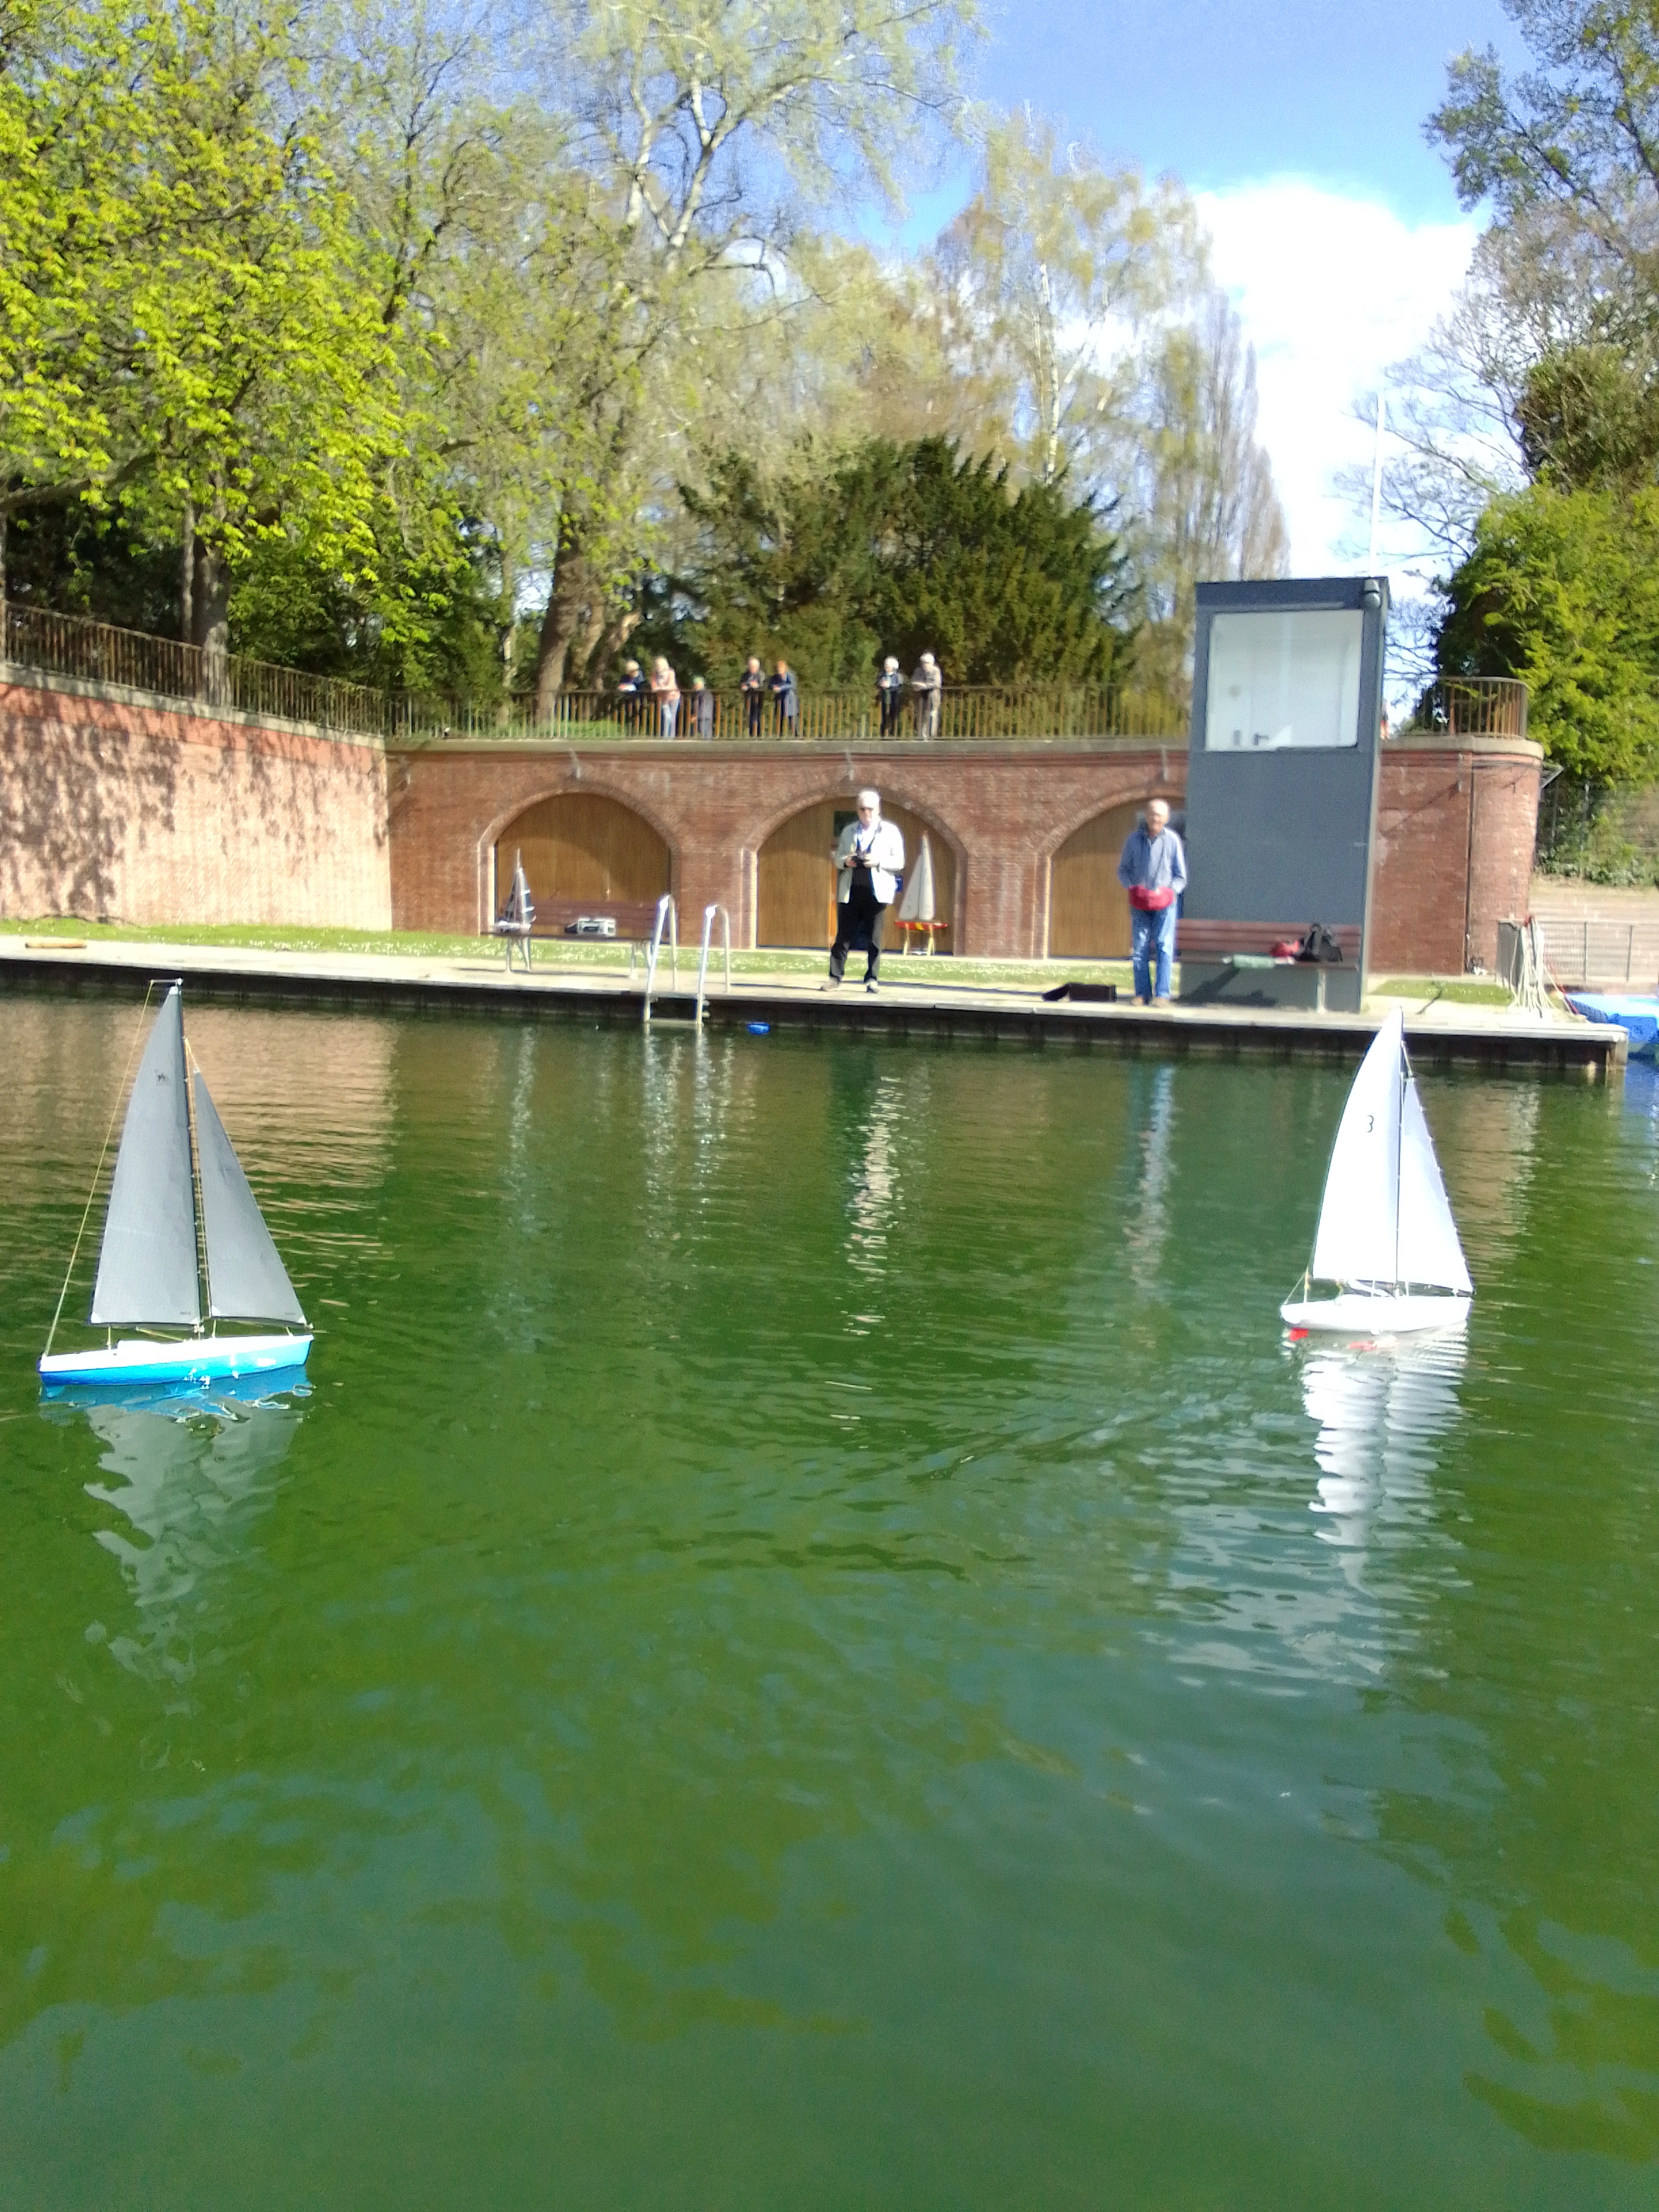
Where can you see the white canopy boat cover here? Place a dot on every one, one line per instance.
(1386, 1237)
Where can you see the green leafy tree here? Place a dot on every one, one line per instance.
(717, 129)
(185, 332)
(1562, 589)
(901, 550)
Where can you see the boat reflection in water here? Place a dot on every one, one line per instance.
(1382, 1409)
(192, 1472)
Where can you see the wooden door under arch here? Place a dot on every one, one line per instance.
(796, 881)
(582, 849)
(1088, 908)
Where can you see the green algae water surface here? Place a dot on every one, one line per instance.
(811, 1644)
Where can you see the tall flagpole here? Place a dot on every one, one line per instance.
(1377, 485)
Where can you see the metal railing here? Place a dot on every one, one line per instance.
(709, 913)
(667, 913)
(1472, 707)
(98, 653)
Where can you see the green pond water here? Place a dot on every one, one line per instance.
(812, 1645)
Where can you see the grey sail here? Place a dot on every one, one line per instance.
(246, 1281)
(147, 1270)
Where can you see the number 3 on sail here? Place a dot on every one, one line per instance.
(153, 1268)
(1386, 1237)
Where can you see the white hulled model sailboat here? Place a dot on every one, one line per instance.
(1386, 1237)
(151, 1265)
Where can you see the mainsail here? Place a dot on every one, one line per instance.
(1429, 1250)
(147, 1271)
(246, 1281)
(1359, 1238)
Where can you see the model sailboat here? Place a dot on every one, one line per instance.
(155, 1271)
(1386, 1236)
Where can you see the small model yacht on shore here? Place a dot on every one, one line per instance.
(185, 1243)
(1386, 1237)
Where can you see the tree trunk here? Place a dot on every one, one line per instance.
(608, 645)
(211, 595)
(560, 623)
(2, 583)
(188, 575)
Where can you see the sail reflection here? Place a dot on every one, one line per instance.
(190, 1487)
(1382, 1409)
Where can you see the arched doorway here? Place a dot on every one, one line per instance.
(1088, 908)
(585, 854)
(796, 886)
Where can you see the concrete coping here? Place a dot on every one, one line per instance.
(1441, 741)
(741, 749)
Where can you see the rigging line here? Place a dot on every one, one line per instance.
(120, 1097)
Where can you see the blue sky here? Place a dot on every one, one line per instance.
(1299, 125)
(1224, 92)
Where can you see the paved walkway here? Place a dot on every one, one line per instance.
(928, 1003)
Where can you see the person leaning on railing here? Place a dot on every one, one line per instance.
(787, 698)
(890, 689)
(928, 683)
(702, 709)
(752, 688)
(665, 690)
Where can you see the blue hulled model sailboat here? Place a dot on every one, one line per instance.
(155, 1271)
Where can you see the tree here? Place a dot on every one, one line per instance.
(717, 126)
(1561, 589)
(901, 549)
(1054, 263)
(183, 334)
(1203, 503)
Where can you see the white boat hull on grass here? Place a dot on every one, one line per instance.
(194, 1360)
(1366, 1313)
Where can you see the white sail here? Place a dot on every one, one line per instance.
(1429, 1250)
(147, 1270)
(1358, 1236)
(246, 1280)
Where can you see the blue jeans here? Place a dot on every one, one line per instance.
(1150, 932)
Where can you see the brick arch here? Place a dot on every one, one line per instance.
(794, 885)
(587, 849)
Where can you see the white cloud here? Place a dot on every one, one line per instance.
(1331, 289)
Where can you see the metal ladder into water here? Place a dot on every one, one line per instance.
(668, 917)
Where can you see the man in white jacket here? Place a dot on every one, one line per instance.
(869, 856)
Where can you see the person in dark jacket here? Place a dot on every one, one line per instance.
(703, 708)
(890, 688)
(752, 687)
(1153, 868)
(785, 697)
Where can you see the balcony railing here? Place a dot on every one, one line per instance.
(965, 712)
(91, 652)
(1471, 707)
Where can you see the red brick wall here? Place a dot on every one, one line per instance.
(154, 814)
(1004, 812)
(1455, 829)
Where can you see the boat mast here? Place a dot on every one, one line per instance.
(202, 1276)
(1401, 1077)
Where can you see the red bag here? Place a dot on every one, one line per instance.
(1151, 902)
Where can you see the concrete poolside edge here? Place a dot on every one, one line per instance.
(904, 1009)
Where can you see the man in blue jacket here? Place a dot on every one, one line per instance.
(1153, 870)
